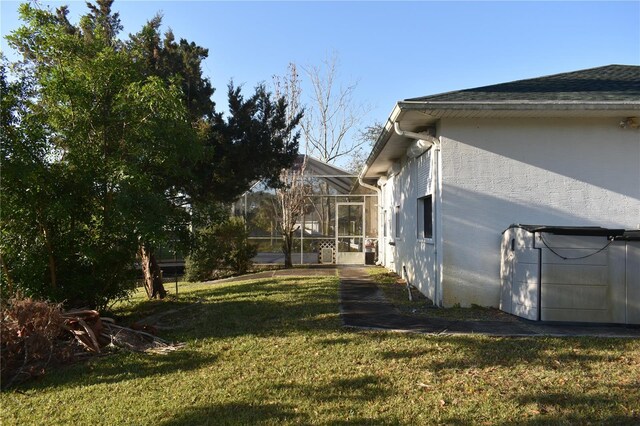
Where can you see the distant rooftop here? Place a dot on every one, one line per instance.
(602, 84)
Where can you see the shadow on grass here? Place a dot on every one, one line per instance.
(364, 388)
(403, 354)
(359, 389)
(571, 408)
(262, 308)
(236, 413)
(256, 414)
(271, 307)
(577, 419)
(335, 341)
(123, 367)
(265, 308)
(463, 352)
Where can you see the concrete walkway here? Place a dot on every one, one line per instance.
(363, 305)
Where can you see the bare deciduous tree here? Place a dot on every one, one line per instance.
(291, 194)
(368, 136)
(288, 87)
(290, 200)
(331, 114)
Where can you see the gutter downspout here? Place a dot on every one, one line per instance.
(432, 140)
(378, 193)
(366, 185)
(435, 143)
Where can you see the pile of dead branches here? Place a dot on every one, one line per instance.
(96, 333)
(36, 335)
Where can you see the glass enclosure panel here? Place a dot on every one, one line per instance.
(320, 216)
(315, 229)
(349, 245)
(350, 219)
(309, 245)
(272, 245)
(327, 186)
(371, 215)
(349, 199)
(362, 190)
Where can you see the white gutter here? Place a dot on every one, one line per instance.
(520, 105)
(423, 142)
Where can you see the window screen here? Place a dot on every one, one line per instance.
(423, 175)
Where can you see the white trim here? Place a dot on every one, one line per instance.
(518, 104)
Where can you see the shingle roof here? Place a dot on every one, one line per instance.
(602, 84)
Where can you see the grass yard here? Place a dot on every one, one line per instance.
(272, 351)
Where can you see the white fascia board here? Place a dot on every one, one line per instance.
(520, 105)
(383, 138)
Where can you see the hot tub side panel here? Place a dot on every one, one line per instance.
(578, 283)
(520, 274)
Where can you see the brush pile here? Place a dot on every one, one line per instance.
(95, 333)
(36, 335)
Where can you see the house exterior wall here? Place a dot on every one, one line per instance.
(416, 254)
(535, 171)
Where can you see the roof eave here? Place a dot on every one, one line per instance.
(387, 130)
(520, 105)
(436, 109)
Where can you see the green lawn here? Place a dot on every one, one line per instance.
(273, 351)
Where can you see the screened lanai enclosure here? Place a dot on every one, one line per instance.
(338, 224)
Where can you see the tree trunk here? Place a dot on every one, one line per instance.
(326, 202)
(287, 247)
(327, 216)
(152, 274)
(52, 261)
(7, 277)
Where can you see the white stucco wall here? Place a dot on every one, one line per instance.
(416, 254)
(533, 171)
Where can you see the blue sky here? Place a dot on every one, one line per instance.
(396, 50)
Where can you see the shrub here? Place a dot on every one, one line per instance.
(219, 248)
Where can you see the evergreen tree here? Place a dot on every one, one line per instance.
(105, 140)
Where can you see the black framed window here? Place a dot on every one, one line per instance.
(425, 217)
